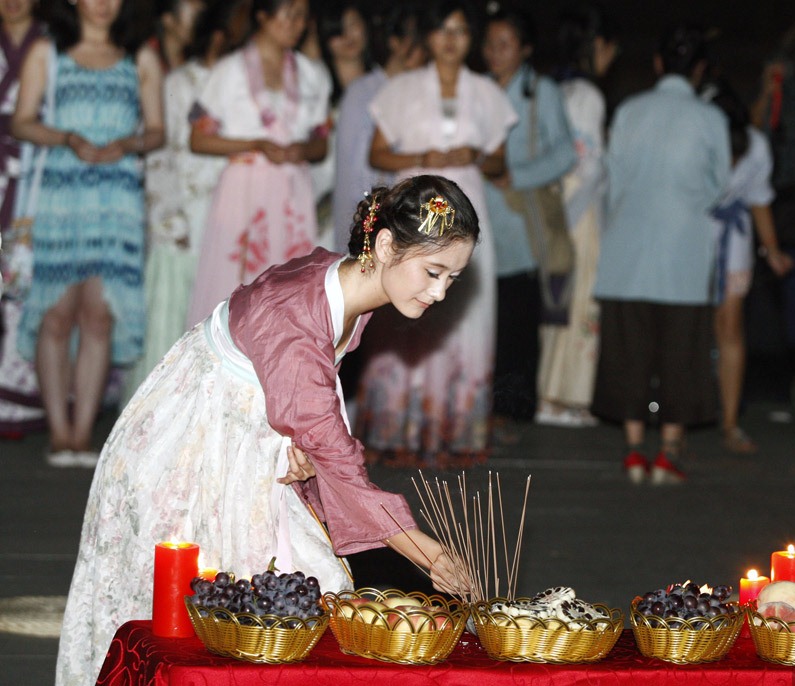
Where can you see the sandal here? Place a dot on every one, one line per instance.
(735, 440)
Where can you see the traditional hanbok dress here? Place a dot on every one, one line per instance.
(195, 455)
(567, 369)
(429, 394)
(90, 217)
(262, 213)
(179, 187)
(20, 405)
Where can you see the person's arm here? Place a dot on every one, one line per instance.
(427, 552)
(771, 81)
(153, 135)
(25, 122)
(555, 150)
(780, 263)
(492, 165)
(382, 156)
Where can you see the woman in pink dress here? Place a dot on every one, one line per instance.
(427, 398)
(264, 107)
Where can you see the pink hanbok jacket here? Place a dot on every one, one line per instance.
(283, 323)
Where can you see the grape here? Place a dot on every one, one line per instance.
(285, 594)
(686, 601)
(222, 579)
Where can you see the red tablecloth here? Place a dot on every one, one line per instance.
(136, 657)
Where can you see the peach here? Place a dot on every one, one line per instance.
(417, 622)
(402, 601)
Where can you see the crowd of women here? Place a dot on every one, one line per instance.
(178, 161)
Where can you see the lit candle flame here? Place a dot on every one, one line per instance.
(791, 549)
(752, 574)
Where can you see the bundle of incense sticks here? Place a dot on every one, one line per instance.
(474, 535)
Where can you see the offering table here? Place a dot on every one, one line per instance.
(138, 657)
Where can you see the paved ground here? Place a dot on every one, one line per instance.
(586, 526)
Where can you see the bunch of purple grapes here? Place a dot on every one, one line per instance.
(284, 595)
(685, 601)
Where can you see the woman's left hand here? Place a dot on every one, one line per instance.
(449, 577)
(300, 469)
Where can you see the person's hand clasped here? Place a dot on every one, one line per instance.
(300, 467)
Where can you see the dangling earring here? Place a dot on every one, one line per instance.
(366, 256)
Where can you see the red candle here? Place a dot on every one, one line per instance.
(782, 564)
(750, 585)
(176, 564)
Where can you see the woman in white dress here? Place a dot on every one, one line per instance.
(567, 368)
(428, 397)
(238, 439)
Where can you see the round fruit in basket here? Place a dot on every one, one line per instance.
(271, 617)
(552, 626)
(393, 626)
(772, 622)
(686, 623)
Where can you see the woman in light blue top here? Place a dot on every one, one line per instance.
(507, 49)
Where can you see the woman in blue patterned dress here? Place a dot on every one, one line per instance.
(85, 307)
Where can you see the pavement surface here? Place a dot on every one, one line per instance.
(586, 525)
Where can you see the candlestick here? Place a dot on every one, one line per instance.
(782, 564)
(750, 586)
(176, 564)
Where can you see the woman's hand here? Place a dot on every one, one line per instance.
(461, 157)
(112, 152)
(435, 159)
(449, 577)
(273, 151)
(86, 151)
(300, 468)
(780, 263)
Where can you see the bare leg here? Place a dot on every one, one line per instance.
(93, 359)
(634, 432)
(731, 357)
(673, 436)
(53, 367)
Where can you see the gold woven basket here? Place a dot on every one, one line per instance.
(411, 635)
(268, 639)
(527, 639)
(774, 638)
(686, 641)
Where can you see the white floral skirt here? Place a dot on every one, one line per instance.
(191, 458)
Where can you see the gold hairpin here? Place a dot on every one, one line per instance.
(366, 256)
(437, 209)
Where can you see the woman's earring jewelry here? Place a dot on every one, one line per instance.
(366, 256)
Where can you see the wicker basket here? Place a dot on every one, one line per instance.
(412, 635)
(773, 637)
(527, 639)
(686, 641)
(269, 639)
